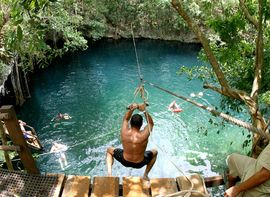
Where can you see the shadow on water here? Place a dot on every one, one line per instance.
(95, 86)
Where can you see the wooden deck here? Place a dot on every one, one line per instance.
(84, 186)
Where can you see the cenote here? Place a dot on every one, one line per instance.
(96, 85)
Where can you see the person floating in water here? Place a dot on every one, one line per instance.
(61, 116)
(60, 149)
(134, 142)
(173, 107)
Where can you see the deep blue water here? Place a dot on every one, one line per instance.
(96, 85)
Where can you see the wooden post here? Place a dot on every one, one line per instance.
(4, 142)
(17, 138)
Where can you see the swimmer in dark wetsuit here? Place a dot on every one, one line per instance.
(134, 142)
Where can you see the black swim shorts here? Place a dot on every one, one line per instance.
(118, 155)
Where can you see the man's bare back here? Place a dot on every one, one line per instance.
(134, 142)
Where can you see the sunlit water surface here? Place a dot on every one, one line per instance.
(96, 85)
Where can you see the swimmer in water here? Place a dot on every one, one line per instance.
(61, 116)
(59, 150)
(173, 107)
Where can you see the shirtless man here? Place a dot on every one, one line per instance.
(134, 142)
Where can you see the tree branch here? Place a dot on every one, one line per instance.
(251, 100)
(196, 29)
(250, 18)
(241, 96)
(259, 56)
(236, 94)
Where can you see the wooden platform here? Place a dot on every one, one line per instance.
(83, 186)
(57, 185)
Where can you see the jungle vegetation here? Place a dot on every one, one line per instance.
(237, 48)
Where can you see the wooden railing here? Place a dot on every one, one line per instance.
(9, 118)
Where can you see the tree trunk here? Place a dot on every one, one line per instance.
(25, 79)
(4, 142)
(15, 79)
(250, 101)
(208, 51)
(257, 118)
(251, 19)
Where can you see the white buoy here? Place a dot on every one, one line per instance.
(200, 94)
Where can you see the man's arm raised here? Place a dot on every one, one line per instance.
(150, 122)
(128, 114)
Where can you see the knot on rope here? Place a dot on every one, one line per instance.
(143, 93)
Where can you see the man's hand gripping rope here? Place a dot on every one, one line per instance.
(143, 93)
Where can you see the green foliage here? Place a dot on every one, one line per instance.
(30, 26)
(66, 25)
(204, 73)
(3, 69)
(265, 98)
(266, 10)
(154, 16)
(1, 18)
(94, 22)
(232, 40)
(248, 141)
(160, 16)
(228, 26)
(40, 30)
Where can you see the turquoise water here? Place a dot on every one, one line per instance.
(96, 85)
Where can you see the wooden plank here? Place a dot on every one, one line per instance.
(134, 187)
(59, 184)
(214, 181)
(9, 148)
(76, 186)
(105, 187)
(163, 186)
(4, 116)
(198, 184)
(4, 142)
(17, 138)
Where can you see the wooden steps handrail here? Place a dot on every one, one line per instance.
(10, 148)
(17, 138)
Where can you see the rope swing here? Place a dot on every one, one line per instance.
(216, 113)
(144, 95)
(136, 54)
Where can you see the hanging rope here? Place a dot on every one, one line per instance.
(216, 113)
(185, 193)
(144, 95)
(136, 54)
